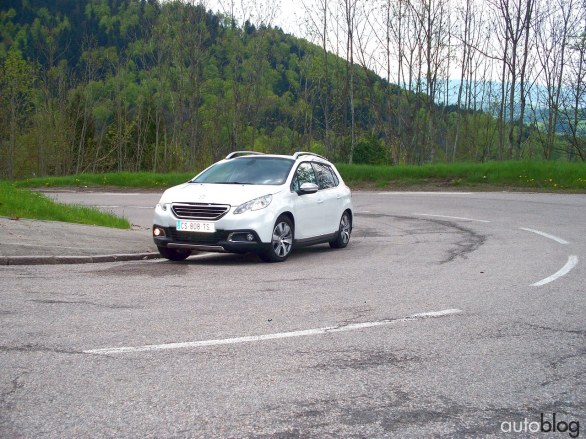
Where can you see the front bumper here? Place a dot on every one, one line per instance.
(231, 241)
(230, 235)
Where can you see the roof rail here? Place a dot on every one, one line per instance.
(300, 153)
(241, 153)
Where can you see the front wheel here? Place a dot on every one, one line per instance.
(173, 254)
(281, 241)
(344, 231)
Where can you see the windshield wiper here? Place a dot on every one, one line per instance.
(229, 182)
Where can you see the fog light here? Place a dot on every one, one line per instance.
(158, 231)
(250, 237)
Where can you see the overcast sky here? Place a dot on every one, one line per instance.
(288, 13)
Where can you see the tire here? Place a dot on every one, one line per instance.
(344, 232)
(174, 255)
(281, 241)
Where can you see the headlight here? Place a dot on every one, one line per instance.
(256, 204)
(163, 206)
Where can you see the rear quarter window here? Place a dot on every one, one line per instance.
(326, 177)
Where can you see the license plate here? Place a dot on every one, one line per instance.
(196, 226)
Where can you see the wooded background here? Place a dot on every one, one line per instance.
(137, 85)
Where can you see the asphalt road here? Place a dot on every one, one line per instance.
(449, 315)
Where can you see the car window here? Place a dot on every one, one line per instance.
(247, 170)
(325, 176)
(304, 174)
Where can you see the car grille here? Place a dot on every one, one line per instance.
(200, 211)
(196, 238)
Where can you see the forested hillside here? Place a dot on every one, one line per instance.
(143, 85)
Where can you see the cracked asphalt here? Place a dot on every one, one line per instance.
(514, 351)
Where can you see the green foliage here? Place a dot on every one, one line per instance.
(16, 105)
(371, 151)
(21, 203)
(92, 86)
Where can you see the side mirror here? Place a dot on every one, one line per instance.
(308, 188)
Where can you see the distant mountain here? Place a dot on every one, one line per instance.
(488, 98)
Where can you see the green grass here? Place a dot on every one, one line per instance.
(122, 179)
(16, 202)
(538, 175)
(529, 175)
(22, 203)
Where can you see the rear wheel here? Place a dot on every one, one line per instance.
(344, 231)
(173, 254)
(281, 241)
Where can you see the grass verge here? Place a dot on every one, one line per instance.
(535, 175)
(22, 203)
(529, 175)
(121, 179)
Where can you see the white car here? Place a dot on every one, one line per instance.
(252, 202)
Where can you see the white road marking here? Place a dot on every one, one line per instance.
(452, 217)
(423, 193)
(572, 261)
(547, 235)
(279, 335)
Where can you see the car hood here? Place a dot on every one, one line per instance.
(232, 194)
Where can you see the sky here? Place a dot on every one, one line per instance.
(288, 13)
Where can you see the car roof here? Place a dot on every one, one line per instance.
(294, 156)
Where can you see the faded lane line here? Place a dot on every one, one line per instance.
(124, 207)
(452, 217)
(254, 338)
(110, 194)
(118, 194)
(572, 261)
(547, 235)
(423, 193)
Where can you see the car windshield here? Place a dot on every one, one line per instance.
(247, 170)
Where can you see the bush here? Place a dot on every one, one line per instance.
(370, 151)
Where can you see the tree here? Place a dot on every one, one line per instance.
(555, 22)
(16, 85)
(349, 14)
(574, 102)
(514, 24)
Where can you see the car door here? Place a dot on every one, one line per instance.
(308, 208)
(330, 212)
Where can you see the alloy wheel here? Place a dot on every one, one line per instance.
(282, 241)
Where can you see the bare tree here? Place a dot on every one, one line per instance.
(574, 100)
(318, 14)
(349, 14)
(515, 18)
(433, 47)
(552, 29)
(465, 35)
